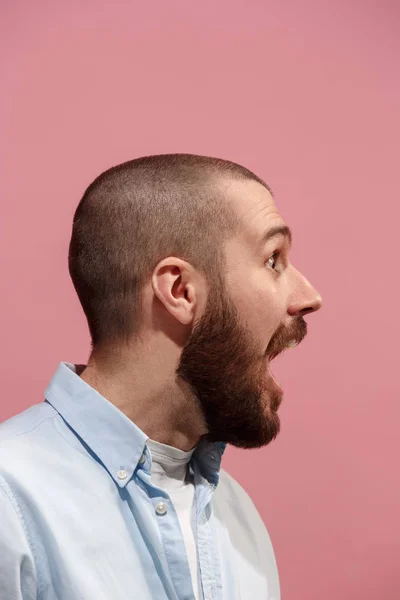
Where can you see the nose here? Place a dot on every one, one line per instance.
(305, 298)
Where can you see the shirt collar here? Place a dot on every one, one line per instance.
(109, 433)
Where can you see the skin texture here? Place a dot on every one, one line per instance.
(200, 367)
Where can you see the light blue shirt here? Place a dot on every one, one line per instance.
(81, 520)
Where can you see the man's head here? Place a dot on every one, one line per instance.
(178, 248)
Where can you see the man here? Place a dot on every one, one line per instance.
(112, 488)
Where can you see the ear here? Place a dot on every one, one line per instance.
(174, 284)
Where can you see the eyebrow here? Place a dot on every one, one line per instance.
(275, 231)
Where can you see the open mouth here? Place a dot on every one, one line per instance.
(277, 384)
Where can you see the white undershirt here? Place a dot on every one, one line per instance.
(170, 473)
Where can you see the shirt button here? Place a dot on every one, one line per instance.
(142, 459)
(122, 474)
(161, 508)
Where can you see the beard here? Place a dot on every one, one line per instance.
(222, 366)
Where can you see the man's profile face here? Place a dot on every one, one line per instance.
(256, 315)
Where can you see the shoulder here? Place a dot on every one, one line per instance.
(231, 493)
(238, 510)
(25, 438)
(232, 490)
(26, 421)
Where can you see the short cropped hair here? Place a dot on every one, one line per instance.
(137, 213)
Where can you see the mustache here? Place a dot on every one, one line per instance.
(287, 337)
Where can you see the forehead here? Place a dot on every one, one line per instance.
(256, 209)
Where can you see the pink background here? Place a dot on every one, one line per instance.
(306, 94)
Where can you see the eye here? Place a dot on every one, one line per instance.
(274, 257)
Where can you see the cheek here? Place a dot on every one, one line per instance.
(267, 312)
(260, 306)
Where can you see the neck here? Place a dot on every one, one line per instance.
(148, 392)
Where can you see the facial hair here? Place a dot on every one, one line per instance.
(227, 373)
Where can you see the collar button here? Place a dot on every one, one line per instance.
(161, 508)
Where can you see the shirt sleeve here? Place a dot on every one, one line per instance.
(17, 566)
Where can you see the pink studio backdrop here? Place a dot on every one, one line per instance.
(306, 94)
